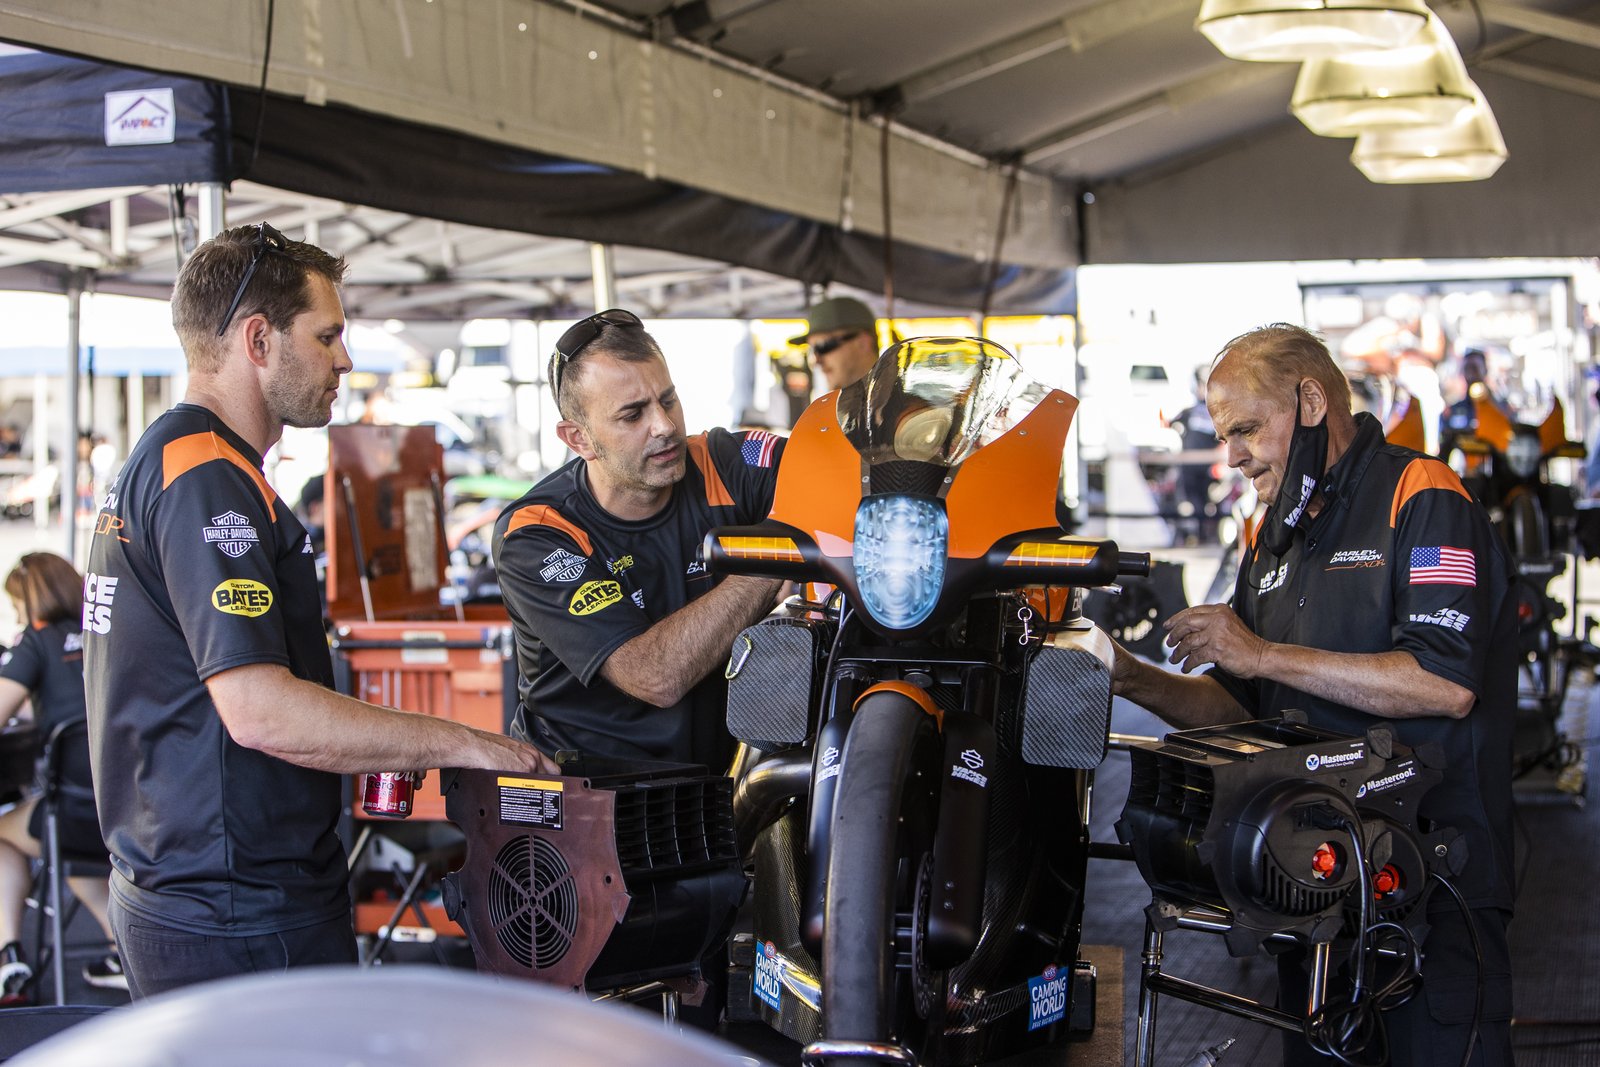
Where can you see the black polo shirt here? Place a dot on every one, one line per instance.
(578, 583)
(47, 661)
(1401, 558)
(196, 567)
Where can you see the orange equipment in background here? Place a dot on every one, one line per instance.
(395, 643)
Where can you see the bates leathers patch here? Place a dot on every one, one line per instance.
(242, 596)
(594, 596)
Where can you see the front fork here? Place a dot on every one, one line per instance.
(955, 906)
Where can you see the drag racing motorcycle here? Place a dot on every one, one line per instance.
(1536, 516)
(921, 739)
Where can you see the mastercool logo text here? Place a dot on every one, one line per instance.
(1334, 759)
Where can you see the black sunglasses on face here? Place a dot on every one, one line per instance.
(268, 239)
(580, 334)
(822, 348)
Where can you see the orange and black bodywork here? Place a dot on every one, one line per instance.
(999, 505)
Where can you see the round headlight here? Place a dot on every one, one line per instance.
(900, 549)
(1522, 455)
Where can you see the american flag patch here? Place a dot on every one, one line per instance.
(1443, 566)
(758, 447)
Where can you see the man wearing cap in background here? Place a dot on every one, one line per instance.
(842, 335)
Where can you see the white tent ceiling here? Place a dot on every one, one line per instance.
(401, 266)
(1185, 155)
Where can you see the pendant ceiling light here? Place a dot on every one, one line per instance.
(1423, 83)
(1292, 30)
(1469, 148)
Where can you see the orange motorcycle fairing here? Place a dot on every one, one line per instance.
(1009, 485)
(819, 480)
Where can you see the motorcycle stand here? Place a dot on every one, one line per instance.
(819, 1052)
(1154, 983)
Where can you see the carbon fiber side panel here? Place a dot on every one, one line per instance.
(772, 674)
(779, 874)
(1067, 701)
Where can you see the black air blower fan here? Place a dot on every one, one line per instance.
(1260, 818)
(623, 875)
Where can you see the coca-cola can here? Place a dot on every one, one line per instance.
(387, 795)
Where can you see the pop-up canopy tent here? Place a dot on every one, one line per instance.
(386, 178)
(1098, 130)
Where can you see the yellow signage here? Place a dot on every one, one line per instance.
(594, 596)
(242, 596)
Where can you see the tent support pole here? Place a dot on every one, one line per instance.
(213, 219)
(70, 418)
(602, 264)
(213, 211)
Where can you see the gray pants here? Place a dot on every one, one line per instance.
(159, 958)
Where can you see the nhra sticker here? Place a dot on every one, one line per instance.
(242, 596)
(768, 985)
(830, 764)
(562, 566)
(1047, 997)
(232, 533)
(594, 596)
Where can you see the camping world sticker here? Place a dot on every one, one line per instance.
(232, 533)
(768, 986)
(1047, 997)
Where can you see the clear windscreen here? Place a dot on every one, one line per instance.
(936, 400)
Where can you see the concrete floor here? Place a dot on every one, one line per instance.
(1554, 941)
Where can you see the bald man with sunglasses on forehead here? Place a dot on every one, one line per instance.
(217, 741)
(621, 631)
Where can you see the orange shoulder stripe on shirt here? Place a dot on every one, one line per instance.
(1420, 475)
(186, 453)
(717, 494)
(545, 515)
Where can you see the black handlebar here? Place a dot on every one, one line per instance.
(1133, 564)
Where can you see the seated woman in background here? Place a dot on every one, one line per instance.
(45, 668)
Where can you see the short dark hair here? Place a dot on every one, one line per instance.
(1279, 356)
(630, 344)
(280, 289)
(49, 588)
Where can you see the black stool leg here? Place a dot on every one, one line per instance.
(52, 845)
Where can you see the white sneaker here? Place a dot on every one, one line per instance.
(106, 972)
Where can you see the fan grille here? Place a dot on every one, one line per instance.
(533, 902)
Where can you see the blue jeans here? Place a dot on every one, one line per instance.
(159, 958)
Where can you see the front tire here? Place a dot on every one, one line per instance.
(864, 865)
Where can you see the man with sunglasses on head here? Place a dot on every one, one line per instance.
(842, 338)
(621, 632)
(216, 738)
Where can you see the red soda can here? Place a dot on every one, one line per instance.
(387, 795)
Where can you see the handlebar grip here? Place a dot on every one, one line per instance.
(1133, 564)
